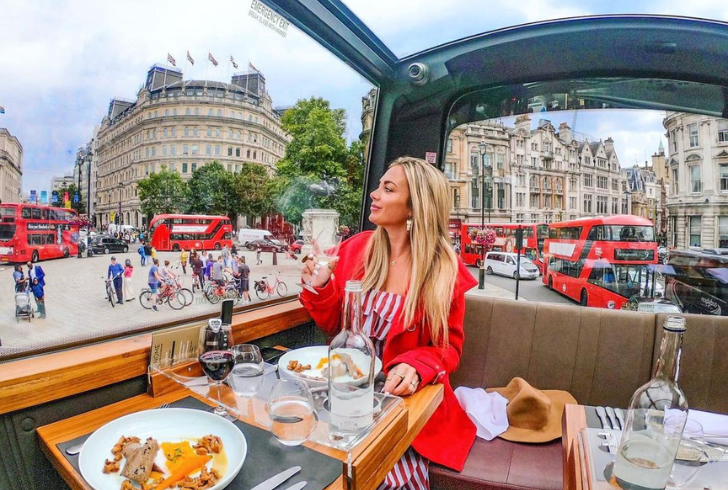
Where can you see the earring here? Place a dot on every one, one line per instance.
(409, 224)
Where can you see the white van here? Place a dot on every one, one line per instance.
(246, 235)
(504, 263)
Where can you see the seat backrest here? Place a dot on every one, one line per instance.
(600, 356)
(704, 361)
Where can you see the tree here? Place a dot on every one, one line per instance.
(79, 206)
(316, 156)
(162, 193)
(252, 189)
(211, 189)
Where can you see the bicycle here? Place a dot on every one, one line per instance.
(110, 290)
(214, 292)
(169, 295)
(263, 288)
(188, 295)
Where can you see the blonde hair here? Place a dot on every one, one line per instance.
(434, 263)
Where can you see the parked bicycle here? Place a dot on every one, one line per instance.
(170, 295)
(214, 291)
(110, 290)
(263, 288)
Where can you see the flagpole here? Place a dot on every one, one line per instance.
(207, 63)
(164, 83)
(185, 69)
(230, 62)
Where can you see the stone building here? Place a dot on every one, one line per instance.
(84, 173)
(182, 125)
(11, 167)
(57, 183)
(532, 175)
(644, 192)
(697, 161)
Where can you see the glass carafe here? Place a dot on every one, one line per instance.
(655, 420)
(351, 370)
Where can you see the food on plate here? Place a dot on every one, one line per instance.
(297, 367)
(342, 365)
(172, 467)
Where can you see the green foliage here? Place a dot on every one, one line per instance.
(79, 206)
(212, 191)
(162, 193)
(252, 190)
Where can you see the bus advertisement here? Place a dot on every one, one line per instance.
(602, 262)
(186, 231)
(697, 280)
(33, 232)
(534, 235)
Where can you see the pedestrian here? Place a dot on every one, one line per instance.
(234, 251)
(36, 271)
(19, 279)
(154, 280)
(128, 290)
(226, 256)
(39, 294)
(257, 255)
(153, 253)
(116, 271)
(183, 261)
(198, 269)
(244, 273)
(142, 254)
(217, 271)
(147, 249)
(208, 266)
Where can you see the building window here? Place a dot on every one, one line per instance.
(185, 150)
(588, 203)
(723, 231)
(248, 154)
(694, 226)
(534, 204)
(187, 131)
(500, 160)
(723, 131)
(588, 180)
(194, 166)
(602, 204)
(449, 145)
(675, 186)
(602, 182)
(695, 183)
(520, 199)
(209, 112)
(174, 131)
(237, 152)
(197, 113)
(230, 151)
(187, 111)
(450, 170)
(174, 112)
(674, 141)
(171, 166)
(501, 196)
(194, 149)
(723, 178)
(184, 168)
(165, 132)
(173, 150)
(209, 132)
(208, 150)
(572, 203)
(693, 133)
(194, 132)
(164, 151)
(230, 167)
(217, 149)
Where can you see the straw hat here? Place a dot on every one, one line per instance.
(533, 415)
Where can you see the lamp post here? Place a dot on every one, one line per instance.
(118, 211)
(483, 146)
(88, 158)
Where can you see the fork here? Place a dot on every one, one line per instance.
(164, 405)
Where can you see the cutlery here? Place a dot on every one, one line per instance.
(276, 480)
(603, 417)
(74, 450)
(613, 418)
(297, 486)
(620, 417)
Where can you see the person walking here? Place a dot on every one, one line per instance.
(116, 271)
(153, 253)
(154, 280)
(128, 289)
(244, 274)
(257, 255)
(142, 254)
(198, 269)
(39, 294)
(19, 279)
(183, 260)
(208, 266)
(36, 271)
(226, 256)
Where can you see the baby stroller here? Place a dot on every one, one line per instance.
(22, 305)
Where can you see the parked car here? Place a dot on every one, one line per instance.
(296, 246)
(247, 235)
(267, 245)
(504, 263)
(108, 244)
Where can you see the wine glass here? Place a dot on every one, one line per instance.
(247, 375)
(216, 357)
(325, 250)
(690, 456)
(290, 406)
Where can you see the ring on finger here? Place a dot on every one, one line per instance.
(400, 375)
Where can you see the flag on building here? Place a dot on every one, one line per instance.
(235, 65)
(211, 58)
(44, 197)
(250, 66)
(171, 60)
(189, 58)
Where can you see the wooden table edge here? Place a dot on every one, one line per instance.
(572, 421)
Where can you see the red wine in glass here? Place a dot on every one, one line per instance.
(217, 364)
(216, 357)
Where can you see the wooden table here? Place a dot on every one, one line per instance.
(573, 420)
(371, 460)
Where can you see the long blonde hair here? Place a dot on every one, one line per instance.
(434, 263)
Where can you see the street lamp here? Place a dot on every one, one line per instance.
(118, 211)
(483, 146)
(88, 157)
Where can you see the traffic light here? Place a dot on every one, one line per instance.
(519, 238)
(116, 219)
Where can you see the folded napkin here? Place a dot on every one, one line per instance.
(486, 410)
(715, 425)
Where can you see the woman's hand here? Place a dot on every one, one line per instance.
(402, 380)
(314, 278)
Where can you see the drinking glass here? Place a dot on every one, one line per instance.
(690, 456)
(290, 406)
(247, 375)
(325, 249)
(216, 357)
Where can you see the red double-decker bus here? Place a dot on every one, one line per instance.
(35, 232)
(185, 231)
(601, 262)
(505, 241)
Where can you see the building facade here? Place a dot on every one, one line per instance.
(531, 175)
(84, 173)
(57, 183)
(11, 167)
(697, 162)
(181, 125)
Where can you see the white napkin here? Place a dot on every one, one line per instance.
(715, 425)
(486, 410)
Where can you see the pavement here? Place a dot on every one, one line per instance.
(77, 309)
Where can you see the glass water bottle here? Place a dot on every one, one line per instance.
(351, 370)
(655, 421)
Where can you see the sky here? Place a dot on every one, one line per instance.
(63, 61)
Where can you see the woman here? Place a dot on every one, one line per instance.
(128, 271)
(183, 260)
(414, 306)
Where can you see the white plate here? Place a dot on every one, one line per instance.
(165, 425)
(312, 355)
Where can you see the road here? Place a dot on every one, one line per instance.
(530, 290)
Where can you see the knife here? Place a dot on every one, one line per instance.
(297, 486)
(276, 480)
(613, 418)
(603, 417)
(620, 416)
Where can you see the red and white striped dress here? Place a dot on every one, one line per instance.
(380, 308)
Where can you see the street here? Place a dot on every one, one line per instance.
(529, 290)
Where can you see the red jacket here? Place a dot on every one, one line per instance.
(449, 434)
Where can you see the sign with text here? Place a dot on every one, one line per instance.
(431, 157)
(44, 197)
(266, 16)
(33, 197)
(174, 346)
